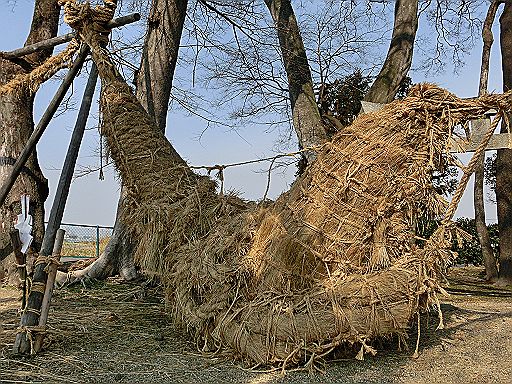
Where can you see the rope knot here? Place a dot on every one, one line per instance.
(90, 23)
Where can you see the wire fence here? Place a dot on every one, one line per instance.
(84, 241)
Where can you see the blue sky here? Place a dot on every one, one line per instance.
(92, 201)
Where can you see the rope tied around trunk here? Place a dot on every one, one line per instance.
(90, 23)
(37, 286)
(30, 82)
(332, 262)
(49, 260)
(30, 331)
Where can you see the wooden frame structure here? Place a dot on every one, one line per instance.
(36, 302)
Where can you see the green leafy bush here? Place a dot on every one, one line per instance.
(469, 252)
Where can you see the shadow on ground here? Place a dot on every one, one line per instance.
(121, 333)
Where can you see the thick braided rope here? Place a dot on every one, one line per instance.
(31, 81)
(76, 14)
(469, 169)
(90, 23)
(38, 287)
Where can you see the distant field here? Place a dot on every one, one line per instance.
(83, 248)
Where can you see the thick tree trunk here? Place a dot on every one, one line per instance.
(491, 271)
(16, 125)
(116, 259)
(155, 75)
(399, 58)
(504, 160)
(305, 114)
(154, 84)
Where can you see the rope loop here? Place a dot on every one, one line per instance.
(90, 23)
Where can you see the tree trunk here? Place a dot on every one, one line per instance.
(16, 125)
(116, 259)
(305, 114)
(504, 160)
(399, 58)
(155, 75)
(491, 271)
(153, 88)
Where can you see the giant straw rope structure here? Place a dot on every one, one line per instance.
(333, 262)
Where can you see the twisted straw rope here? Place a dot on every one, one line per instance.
(469, 169)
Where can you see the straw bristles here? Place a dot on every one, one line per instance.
(333, 261)
(30, 82)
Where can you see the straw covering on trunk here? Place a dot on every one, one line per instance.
(334, 261)
(31, 81)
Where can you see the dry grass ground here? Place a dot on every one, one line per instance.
(83, 248)
(120, 333)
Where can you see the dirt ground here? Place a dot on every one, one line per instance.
(119, 333)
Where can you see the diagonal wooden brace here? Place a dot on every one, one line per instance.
(31, 317)
(43, 123)
(114, 23)
(57, 99)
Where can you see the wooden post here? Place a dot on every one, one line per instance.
(97, 241)
(114, 23)
(52, 272)
(20, 261)
(31, 314)
(43, 123)
(68, 168)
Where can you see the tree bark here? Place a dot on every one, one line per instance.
(305, 114)
(399, 58)
(504, 159)
(160, 54)
(491, 271)
(153, 88)
(16, 126)
(117, 258)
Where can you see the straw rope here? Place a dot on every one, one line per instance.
(30, 82)
(470, 169)
(38, 287)
(331, 263)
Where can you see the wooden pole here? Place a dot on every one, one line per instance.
(20, 260)
(68, 168)
(43, 123)
(114, 23)
(31, 314)
(52, 272)
(57, 99)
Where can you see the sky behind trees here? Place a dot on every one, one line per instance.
(92, 201)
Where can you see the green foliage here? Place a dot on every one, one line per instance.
(469, 252)
(490, 176)
(341, 99)
(445, 181)
(404, 87)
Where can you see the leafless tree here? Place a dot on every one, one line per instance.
(16, 125)
(491, 270)
(153, 80)
(504, 159)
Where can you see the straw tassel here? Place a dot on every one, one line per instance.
(379, 258)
